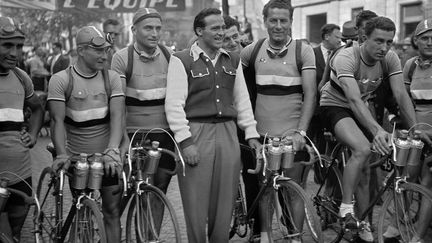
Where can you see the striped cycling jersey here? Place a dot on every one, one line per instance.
(87, 109)
(145, 91)
(279, 86)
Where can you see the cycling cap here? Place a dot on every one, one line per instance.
(144, 13)
(90, 35)
(423, 26)
(8, 29)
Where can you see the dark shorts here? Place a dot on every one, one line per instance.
(331, 115)
(166, 161)
(21, 186)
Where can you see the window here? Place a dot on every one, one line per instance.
(411, 15)
(314, 23)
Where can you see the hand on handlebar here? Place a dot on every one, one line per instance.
(112, 162)
(61, 162)
(256, 146)
(381, 142)
(298, 141)
(191, 155)
(425, 136)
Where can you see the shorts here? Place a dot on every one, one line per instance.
(166, 161)
(21, 186)
(331, 115)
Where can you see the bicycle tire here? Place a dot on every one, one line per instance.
(411, 192)
(88, 225)
(237, 226)
(282, 227)
(143, 222)
(330, 197)
(46, 222)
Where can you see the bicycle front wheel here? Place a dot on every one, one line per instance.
(46, 194)
(88, 225)
(151, 218)
(288, 206)
(399, 214)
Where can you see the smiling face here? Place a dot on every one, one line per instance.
(212, 34)
(424, 44)
(278, 24)
(10, 51)
(232, 40)
(93, 58)
(378, 43)
(334, 39)
(147, 34)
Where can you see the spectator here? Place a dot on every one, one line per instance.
(57, 61)
(38, 73)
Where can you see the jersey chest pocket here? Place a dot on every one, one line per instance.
(200, 79)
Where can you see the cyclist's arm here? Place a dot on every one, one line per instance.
(116, 121)
(357, 105)
(309, 100)
(58, 131)
(402, 98)
(36, 118)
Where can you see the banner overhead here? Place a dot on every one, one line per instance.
(120, 5)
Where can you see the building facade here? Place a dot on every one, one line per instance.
(310, 15)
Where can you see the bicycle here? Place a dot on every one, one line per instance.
(150, 214)
(5, 192)
(84, 222)
(282, 227)
(396, 189)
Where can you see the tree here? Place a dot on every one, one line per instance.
(44, 26)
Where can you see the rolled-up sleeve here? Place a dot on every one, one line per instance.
(175, 100)
(242, 103)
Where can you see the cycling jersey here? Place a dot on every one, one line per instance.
(279, 87)
(87, 109)
(15, 157)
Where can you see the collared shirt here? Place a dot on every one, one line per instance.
(326, 53)
(177, 93)
(53, 61)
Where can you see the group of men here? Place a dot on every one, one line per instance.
(202, 95)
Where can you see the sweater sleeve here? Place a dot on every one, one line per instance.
(242, 104)
(175, 100)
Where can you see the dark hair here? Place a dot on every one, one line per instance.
(283, 4)
(58, 45)
(110, 22)
(363, 16)
(382, 23)
(199, 18)
(328, 29)
(230, 22)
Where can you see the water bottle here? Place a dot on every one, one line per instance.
(81, 171)
(402, 148)
(288, 153)
(274, 154)
(152, 160)
(4, 194)
(96, 173)
(413, 164)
